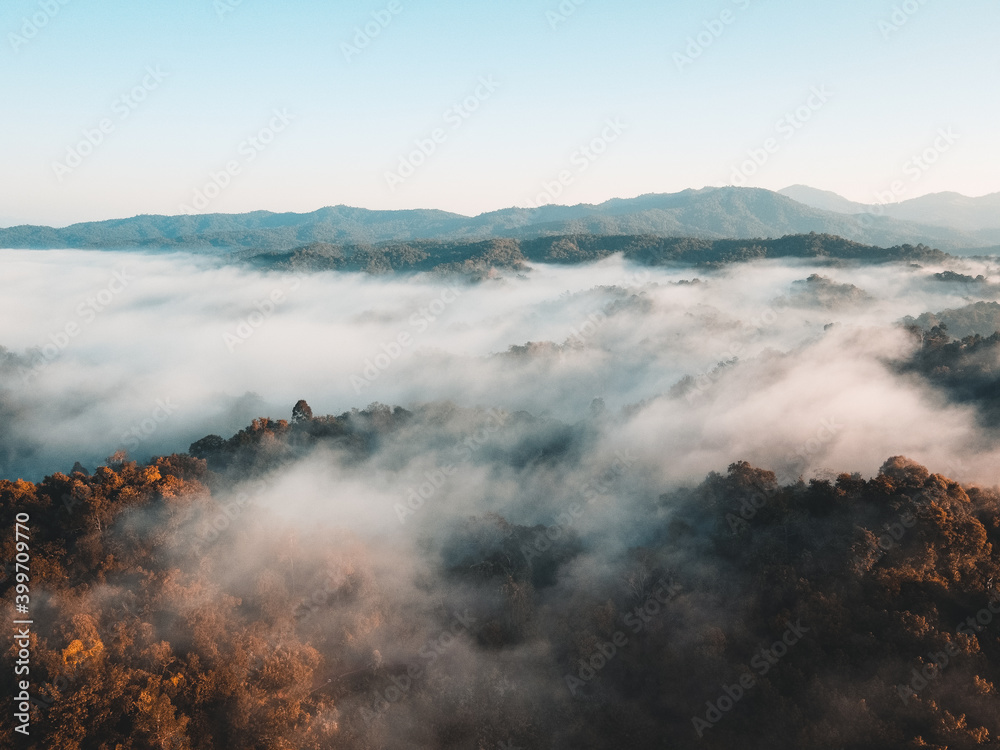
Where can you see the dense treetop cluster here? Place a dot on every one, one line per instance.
(169, 615)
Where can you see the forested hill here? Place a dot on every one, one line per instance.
(512, 254)
(709, 213)
(752, 613)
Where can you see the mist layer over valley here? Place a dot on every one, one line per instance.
(97, 344)
(558, 506)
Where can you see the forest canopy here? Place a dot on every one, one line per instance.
(173, 613)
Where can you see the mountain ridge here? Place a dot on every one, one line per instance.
(945, 209)
(707, 213)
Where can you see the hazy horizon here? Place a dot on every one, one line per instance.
(469, 215)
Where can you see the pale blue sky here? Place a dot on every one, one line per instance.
(353, 121)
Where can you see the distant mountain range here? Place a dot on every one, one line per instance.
(951, 210)
(946, 221)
